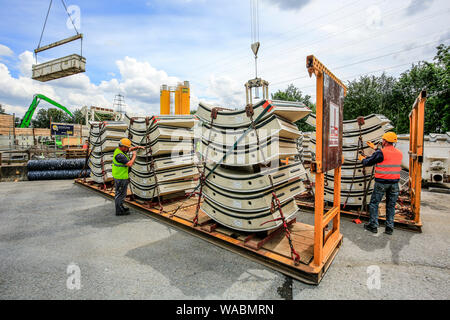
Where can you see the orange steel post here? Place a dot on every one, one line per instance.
(324, 245)
(416, 132)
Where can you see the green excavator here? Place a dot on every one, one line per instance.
(36, 99)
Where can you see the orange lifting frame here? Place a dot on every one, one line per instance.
(324, 242)
(416, 131)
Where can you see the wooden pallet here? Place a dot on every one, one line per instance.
(75, 153)
(268, 248)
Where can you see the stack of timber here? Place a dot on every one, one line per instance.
(76, 153)
(238, 189)
(356, 181)
(166, 165)
(104, 138)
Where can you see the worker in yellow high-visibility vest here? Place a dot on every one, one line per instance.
(120, 165)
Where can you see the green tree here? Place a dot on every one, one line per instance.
(369, 94)
(435, 79)
(292, 93)
(394, 98)
(42, 119)
(2, 111)
(78, 117)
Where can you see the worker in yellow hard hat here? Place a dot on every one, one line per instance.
(121, 164)
(387, 163)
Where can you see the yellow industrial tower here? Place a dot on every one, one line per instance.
(164, 100)
(181, 95)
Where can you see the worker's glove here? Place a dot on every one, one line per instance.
(361, 157)
(372, 145)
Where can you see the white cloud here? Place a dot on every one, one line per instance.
(418, 6)
(230, 93)
(289, 4)
(26, 63)
(5, 51)
(138, 81)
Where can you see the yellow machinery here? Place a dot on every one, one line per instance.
(181, 94)
(164, 99)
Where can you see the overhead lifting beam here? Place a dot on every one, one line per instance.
(59, 43)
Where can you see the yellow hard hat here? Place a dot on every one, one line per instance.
(125, 142)
(390, 137)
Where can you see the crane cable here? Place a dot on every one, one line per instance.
(254, 18)
(45, 23)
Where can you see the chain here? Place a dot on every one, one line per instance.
(294, 255)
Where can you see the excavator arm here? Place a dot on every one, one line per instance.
(36, 99)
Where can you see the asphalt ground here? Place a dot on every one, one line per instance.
(59, 240)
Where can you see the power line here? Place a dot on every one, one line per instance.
(347, 78)
(372, 36)
(293, 49)
(366, 60)
(239, 51)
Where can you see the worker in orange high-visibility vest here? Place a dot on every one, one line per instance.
(387, 163)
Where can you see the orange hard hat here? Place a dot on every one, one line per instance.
(125, 142)
(390, 137)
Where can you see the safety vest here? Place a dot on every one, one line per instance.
(390, 167)
(119, 170)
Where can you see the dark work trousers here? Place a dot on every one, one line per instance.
(391, 190)
(121, 186)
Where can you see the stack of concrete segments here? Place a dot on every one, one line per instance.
(167, 165)
(436, 160)
(104, 138)
(238, 190)
(355, 179)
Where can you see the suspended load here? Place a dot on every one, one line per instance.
(60, 67)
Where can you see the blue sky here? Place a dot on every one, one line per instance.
(132, 47)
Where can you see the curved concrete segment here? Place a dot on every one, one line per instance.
(352, 125)
(149, 192)
(179, 121)
(255, 202)
(248, 221)
(160, 132)
(269, 150)
(148, 177)
(290, 111)
(246, 182)
(274, 126)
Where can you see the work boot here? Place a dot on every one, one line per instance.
(125, 209)
(370, 228)
(122, 213)
(388, 230)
